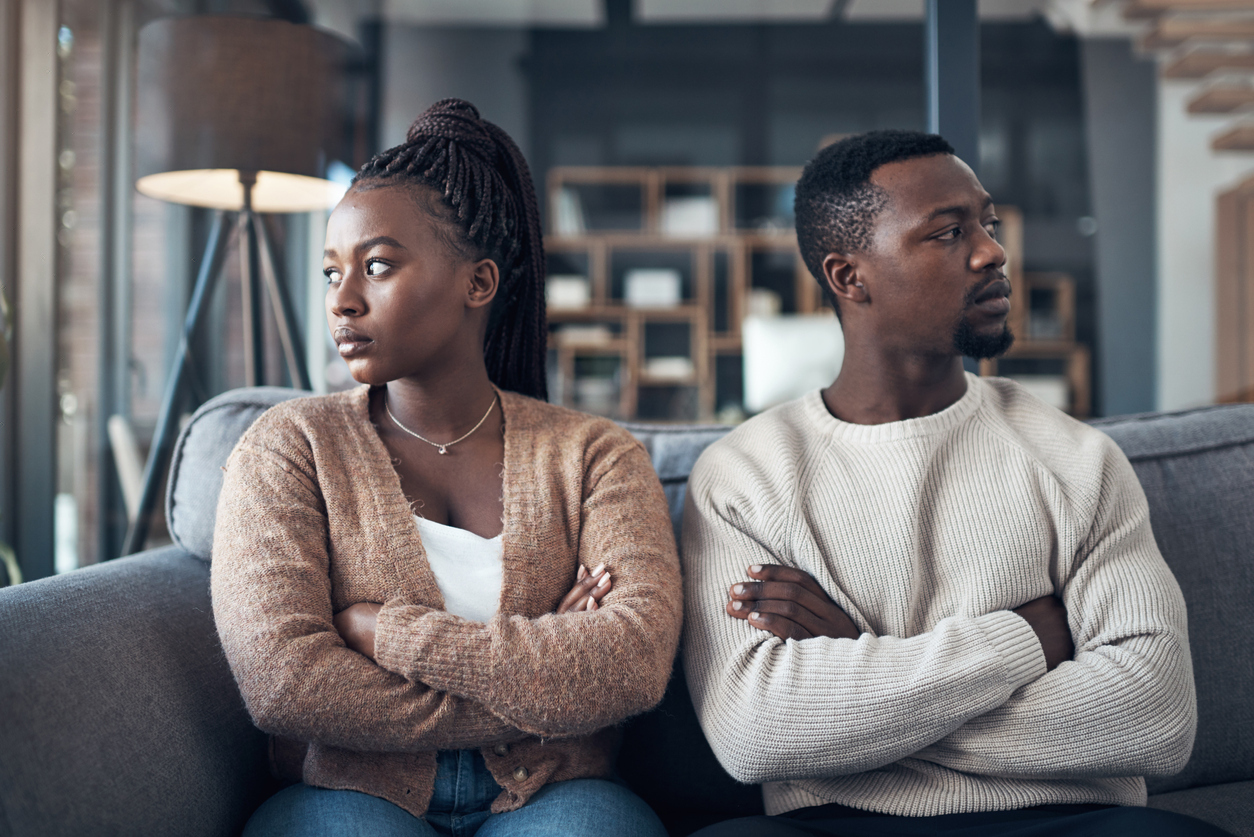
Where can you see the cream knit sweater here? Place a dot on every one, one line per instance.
(928, 532)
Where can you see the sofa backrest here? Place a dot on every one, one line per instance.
(1197, 468)
(191, 500)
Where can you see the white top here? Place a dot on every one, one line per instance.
(467, 568)
(928, 532)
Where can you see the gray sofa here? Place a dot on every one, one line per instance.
(118, 714)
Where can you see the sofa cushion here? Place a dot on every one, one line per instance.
(674, 450)
(118, 713)
(1230, 806)
(191, 503)
(1197, 468)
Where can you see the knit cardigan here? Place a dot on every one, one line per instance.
(312, 519)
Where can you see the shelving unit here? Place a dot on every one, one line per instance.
(1045, 351)
(727, 235)
(625, 219)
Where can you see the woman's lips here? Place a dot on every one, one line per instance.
(349, 342)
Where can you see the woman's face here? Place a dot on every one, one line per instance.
(400, 302)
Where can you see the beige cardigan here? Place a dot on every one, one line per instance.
(312, 519)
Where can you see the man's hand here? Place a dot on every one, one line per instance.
(788, 603)
(1048, 617)
(589, 589)
(355, 625)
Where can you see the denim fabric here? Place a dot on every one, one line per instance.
(464, 791)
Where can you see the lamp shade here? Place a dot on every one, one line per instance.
(221, 96)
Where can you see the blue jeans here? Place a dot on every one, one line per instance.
(464, 790)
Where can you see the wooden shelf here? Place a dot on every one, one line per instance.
(1201, 63)
(1077, 370)
(1222, 100)
(1139, 9)
(1236, 138)
(1171, 32)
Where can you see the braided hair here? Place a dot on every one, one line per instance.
(487, 197)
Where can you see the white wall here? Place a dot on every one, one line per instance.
(1190, 176)
(422, 65)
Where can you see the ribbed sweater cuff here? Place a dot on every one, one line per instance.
(1015, 641)
(432, 647)
(397, 638)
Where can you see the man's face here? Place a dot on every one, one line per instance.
(934, 269)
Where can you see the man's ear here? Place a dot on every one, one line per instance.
(485, 280)
(840, 274)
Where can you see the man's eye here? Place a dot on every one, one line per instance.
(374, 267)
(993, 227)
(950, 235)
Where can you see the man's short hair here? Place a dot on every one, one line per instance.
(836, 203)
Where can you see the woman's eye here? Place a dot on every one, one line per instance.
(374, 267)
(332, 274)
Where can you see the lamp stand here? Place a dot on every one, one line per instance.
(258, 259)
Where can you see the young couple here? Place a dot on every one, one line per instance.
(917, 601)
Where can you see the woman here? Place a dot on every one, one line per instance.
(450, 589)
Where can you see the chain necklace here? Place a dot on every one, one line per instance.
(443, 449)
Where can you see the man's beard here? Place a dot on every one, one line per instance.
(970, 344)
(967, 342)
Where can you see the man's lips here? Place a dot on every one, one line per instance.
(995, 298)
(350, 342)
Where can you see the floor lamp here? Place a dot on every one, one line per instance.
(238, 115)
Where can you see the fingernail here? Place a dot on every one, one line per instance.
(605, 579)
(738, 605)
(600, 569)
(593, 605)
(756, 568)
(589, 603)
(739, 589)
(755, 615)
(583, 572)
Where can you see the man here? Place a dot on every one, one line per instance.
(919, 601)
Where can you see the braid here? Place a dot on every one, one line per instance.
(486, 187)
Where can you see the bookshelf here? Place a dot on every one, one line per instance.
(652, 269)
(1045, 357)
(713, 241)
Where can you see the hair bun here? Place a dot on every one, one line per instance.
(457, 120)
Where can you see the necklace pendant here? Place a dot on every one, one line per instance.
(443, 449)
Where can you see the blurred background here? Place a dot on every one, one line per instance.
(664, 137)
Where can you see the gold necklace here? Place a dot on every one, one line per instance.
(443, 449)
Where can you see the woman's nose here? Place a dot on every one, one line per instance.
(343, 299)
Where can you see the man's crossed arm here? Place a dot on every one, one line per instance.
(789, 603)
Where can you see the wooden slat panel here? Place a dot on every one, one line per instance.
(1221, 100)
(1228, 239)
(1173, 31)
(1153, 8)
(1201, 63)
(1236, 138)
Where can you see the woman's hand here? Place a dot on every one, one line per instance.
(355, 625)
(788, 603)
(589, 589)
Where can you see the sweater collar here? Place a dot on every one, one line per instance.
(894, 431)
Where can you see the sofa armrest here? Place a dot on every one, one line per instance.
(118, 713)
